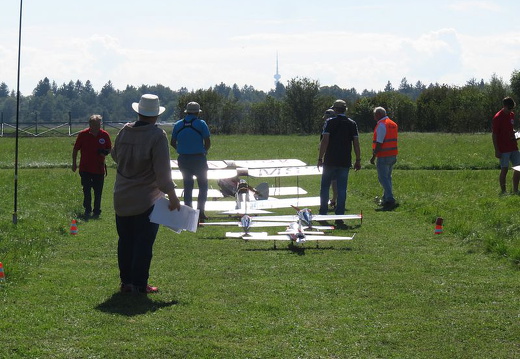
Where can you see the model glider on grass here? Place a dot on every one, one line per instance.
(305, 217)
(246, 223)
(294, 234)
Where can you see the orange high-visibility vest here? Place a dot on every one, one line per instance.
(389, 147)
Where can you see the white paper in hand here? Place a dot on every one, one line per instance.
(187, 219)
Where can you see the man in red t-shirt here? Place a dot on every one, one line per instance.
(504, 141)
(94, 144)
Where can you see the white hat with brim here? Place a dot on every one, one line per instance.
(193, 108)
(339, 104)
(148, 106)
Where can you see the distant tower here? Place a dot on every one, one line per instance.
(277, 76)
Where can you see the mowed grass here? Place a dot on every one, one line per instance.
(395, 291)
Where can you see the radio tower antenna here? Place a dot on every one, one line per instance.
(277, 76)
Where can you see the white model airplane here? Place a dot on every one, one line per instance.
(306, 218)
(295, 235)
(253, 168)
(246, 223)
(251, 202)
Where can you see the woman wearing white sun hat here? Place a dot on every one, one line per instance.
(141, 152)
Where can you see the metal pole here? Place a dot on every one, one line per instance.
(15, 212)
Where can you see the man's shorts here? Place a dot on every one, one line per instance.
(513, 157)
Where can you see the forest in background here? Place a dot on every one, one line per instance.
(294, 108)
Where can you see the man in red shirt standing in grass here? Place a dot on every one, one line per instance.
(94, 144)
(504, 141)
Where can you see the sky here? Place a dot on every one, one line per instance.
(202, 43)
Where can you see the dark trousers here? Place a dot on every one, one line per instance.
(134, 249)
(340, 174)
(89, 182)
(190, 166)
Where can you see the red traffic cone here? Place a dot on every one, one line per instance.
(73, 227)
(2, 274)
(438, 225)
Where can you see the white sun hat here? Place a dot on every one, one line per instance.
(148, 106)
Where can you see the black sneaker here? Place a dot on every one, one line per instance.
(339, 224)
(388, 206)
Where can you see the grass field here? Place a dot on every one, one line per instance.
(395, 291)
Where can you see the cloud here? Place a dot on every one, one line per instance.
(347, 58)
(465, 6)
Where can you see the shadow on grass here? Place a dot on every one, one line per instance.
(130, 305)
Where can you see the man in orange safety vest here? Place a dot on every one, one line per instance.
(384, 148)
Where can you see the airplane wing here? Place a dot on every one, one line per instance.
(272, 203)
(283, 171)
(212, 193)
(316, 217)
(251, 225)
(328, 238)
(286, 191)
(283, 237)
(304, 232)
(260, 206)
(212, 165)
(267, 237)
(247, 236)
(241, 212)
(212, 174)
(265, 163)
(229, 207)
(333, 217)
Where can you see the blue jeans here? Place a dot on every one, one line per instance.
(134, 249)
(384, 167)
(340, 174)
(194, 165)
(89, 182)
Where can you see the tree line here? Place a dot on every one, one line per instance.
(294, 108)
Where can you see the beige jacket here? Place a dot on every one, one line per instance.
(142, 155)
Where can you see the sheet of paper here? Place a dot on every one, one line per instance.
(186, 219)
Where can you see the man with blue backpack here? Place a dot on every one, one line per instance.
(191, 139)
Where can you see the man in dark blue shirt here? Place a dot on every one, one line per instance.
(339, 135)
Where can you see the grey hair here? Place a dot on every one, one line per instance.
(380, 111)
(95, 118)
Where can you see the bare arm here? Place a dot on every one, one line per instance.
(375, 151)
(323, 148)
(495, 144)
(74, 160)
(357, 151)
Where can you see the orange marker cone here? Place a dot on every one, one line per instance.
(438, 225)
(2, 274)
(73, 227)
